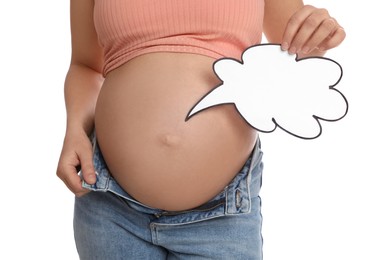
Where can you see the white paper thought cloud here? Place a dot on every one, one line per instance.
(272, 88)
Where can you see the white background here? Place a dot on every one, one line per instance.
(320, 197)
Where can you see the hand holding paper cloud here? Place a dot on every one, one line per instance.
(272, 88)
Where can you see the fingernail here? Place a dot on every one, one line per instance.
(285, 46)
(292, 50)
(305, 50)
(92, 178)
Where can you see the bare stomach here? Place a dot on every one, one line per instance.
(159, 158)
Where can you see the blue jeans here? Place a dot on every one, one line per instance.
(109, 224)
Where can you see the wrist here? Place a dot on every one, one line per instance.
(75, 127)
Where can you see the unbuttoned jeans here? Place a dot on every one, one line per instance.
(109, 224)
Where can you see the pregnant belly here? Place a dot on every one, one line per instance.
(153, 153)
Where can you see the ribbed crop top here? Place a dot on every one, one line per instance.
(215, 28)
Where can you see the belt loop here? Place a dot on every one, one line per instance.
(238, 193)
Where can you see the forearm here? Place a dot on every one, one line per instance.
(277, 15)
(82, 86)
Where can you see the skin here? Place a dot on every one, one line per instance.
(154, 154)
(301, 29)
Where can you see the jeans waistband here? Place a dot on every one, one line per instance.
(234, 199)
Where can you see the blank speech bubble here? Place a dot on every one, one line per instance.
(272, 88)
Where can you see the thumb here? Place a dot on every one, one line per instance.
(86, 164)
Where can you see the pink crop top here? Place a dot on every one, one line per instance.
(215, 28)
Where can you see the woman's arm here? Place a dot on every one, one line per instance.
(301, 29)
(82, 86)
(84, 78)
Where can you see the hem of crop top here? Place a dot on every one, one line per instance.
(124, 58)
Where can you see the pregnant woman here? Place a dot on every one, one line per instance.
(151, 185)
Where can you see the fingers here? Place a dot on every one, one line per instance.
(293, 26)
(72, 180)
(76, 154)
(311, 28)
(334, 40)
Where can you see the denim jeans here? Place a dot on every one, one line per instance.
(109, 224)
